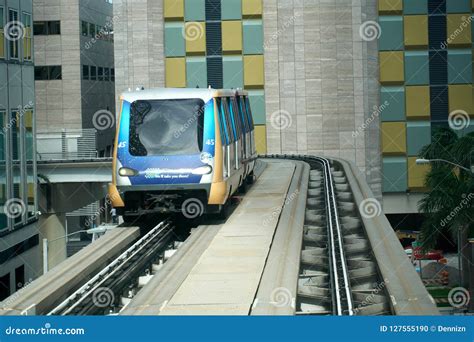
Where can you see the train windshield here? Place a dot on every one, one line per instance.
(166, 127)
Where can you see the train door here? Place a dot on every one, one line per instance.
(234, 115)
(245, 124)
(253, 149)
(242, 133)
(224, 137)
(231, 153)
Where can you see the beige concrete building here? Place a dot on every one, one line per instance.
(74, 73)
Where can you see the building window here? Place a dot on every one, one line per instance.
(3, 168)
(100, 74)
(15, 120)
(112, 75)
(4, 286)
(55, 72)
(42, 28)
(100, 32)
(93, 73)
(45, 73)
(92, 30)
(54, 27)
(30, 149)
(109, 32)
(2, 36)
(14, 45)
(85, 72)
(106, 74)
(27, 37)
(85, 28)
(19, 277)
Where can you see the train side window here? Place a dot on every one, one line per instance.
(249, 113)
(222, 125)
(243, 114)
(232, 120)
(235, 119)
(228, 122)
(237, 116)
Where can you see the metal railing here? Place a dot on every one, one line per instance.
(68, 144)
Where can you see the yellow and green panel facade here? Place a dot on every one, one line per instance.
(217, 43)
(425, 54)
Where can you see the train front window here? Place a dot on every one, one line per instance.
(166, 127)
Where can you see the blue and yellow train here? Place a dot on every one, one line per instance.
(179, 146)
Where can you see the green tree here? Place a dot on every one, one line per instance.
(449, 203)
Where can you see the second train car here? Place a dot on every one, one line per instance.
(181, 150)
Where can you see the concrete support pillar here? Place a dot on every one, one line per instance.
(53, 228)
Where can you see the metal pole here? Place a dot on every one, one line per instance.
(45, 256)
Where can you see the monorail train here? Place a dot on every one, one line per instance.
(181, 150)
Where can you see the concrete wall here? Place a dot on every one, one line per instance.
(58, 102)
(321, 77)
(139, 50)
(53, 228)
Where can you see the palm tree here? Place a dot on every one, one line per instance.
(448, 206)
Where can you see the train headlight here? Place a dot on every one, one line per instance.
(127, 172)
(203, 170)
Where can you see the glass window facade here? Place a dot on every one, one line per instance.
(14, 46)
(18, 199)
(2, 33)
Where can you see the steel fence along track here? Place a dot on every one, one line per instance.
(342, 302)
(114, 277)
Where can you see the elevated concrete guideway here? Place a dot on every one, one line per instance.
(270, 257)
(226, 276)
